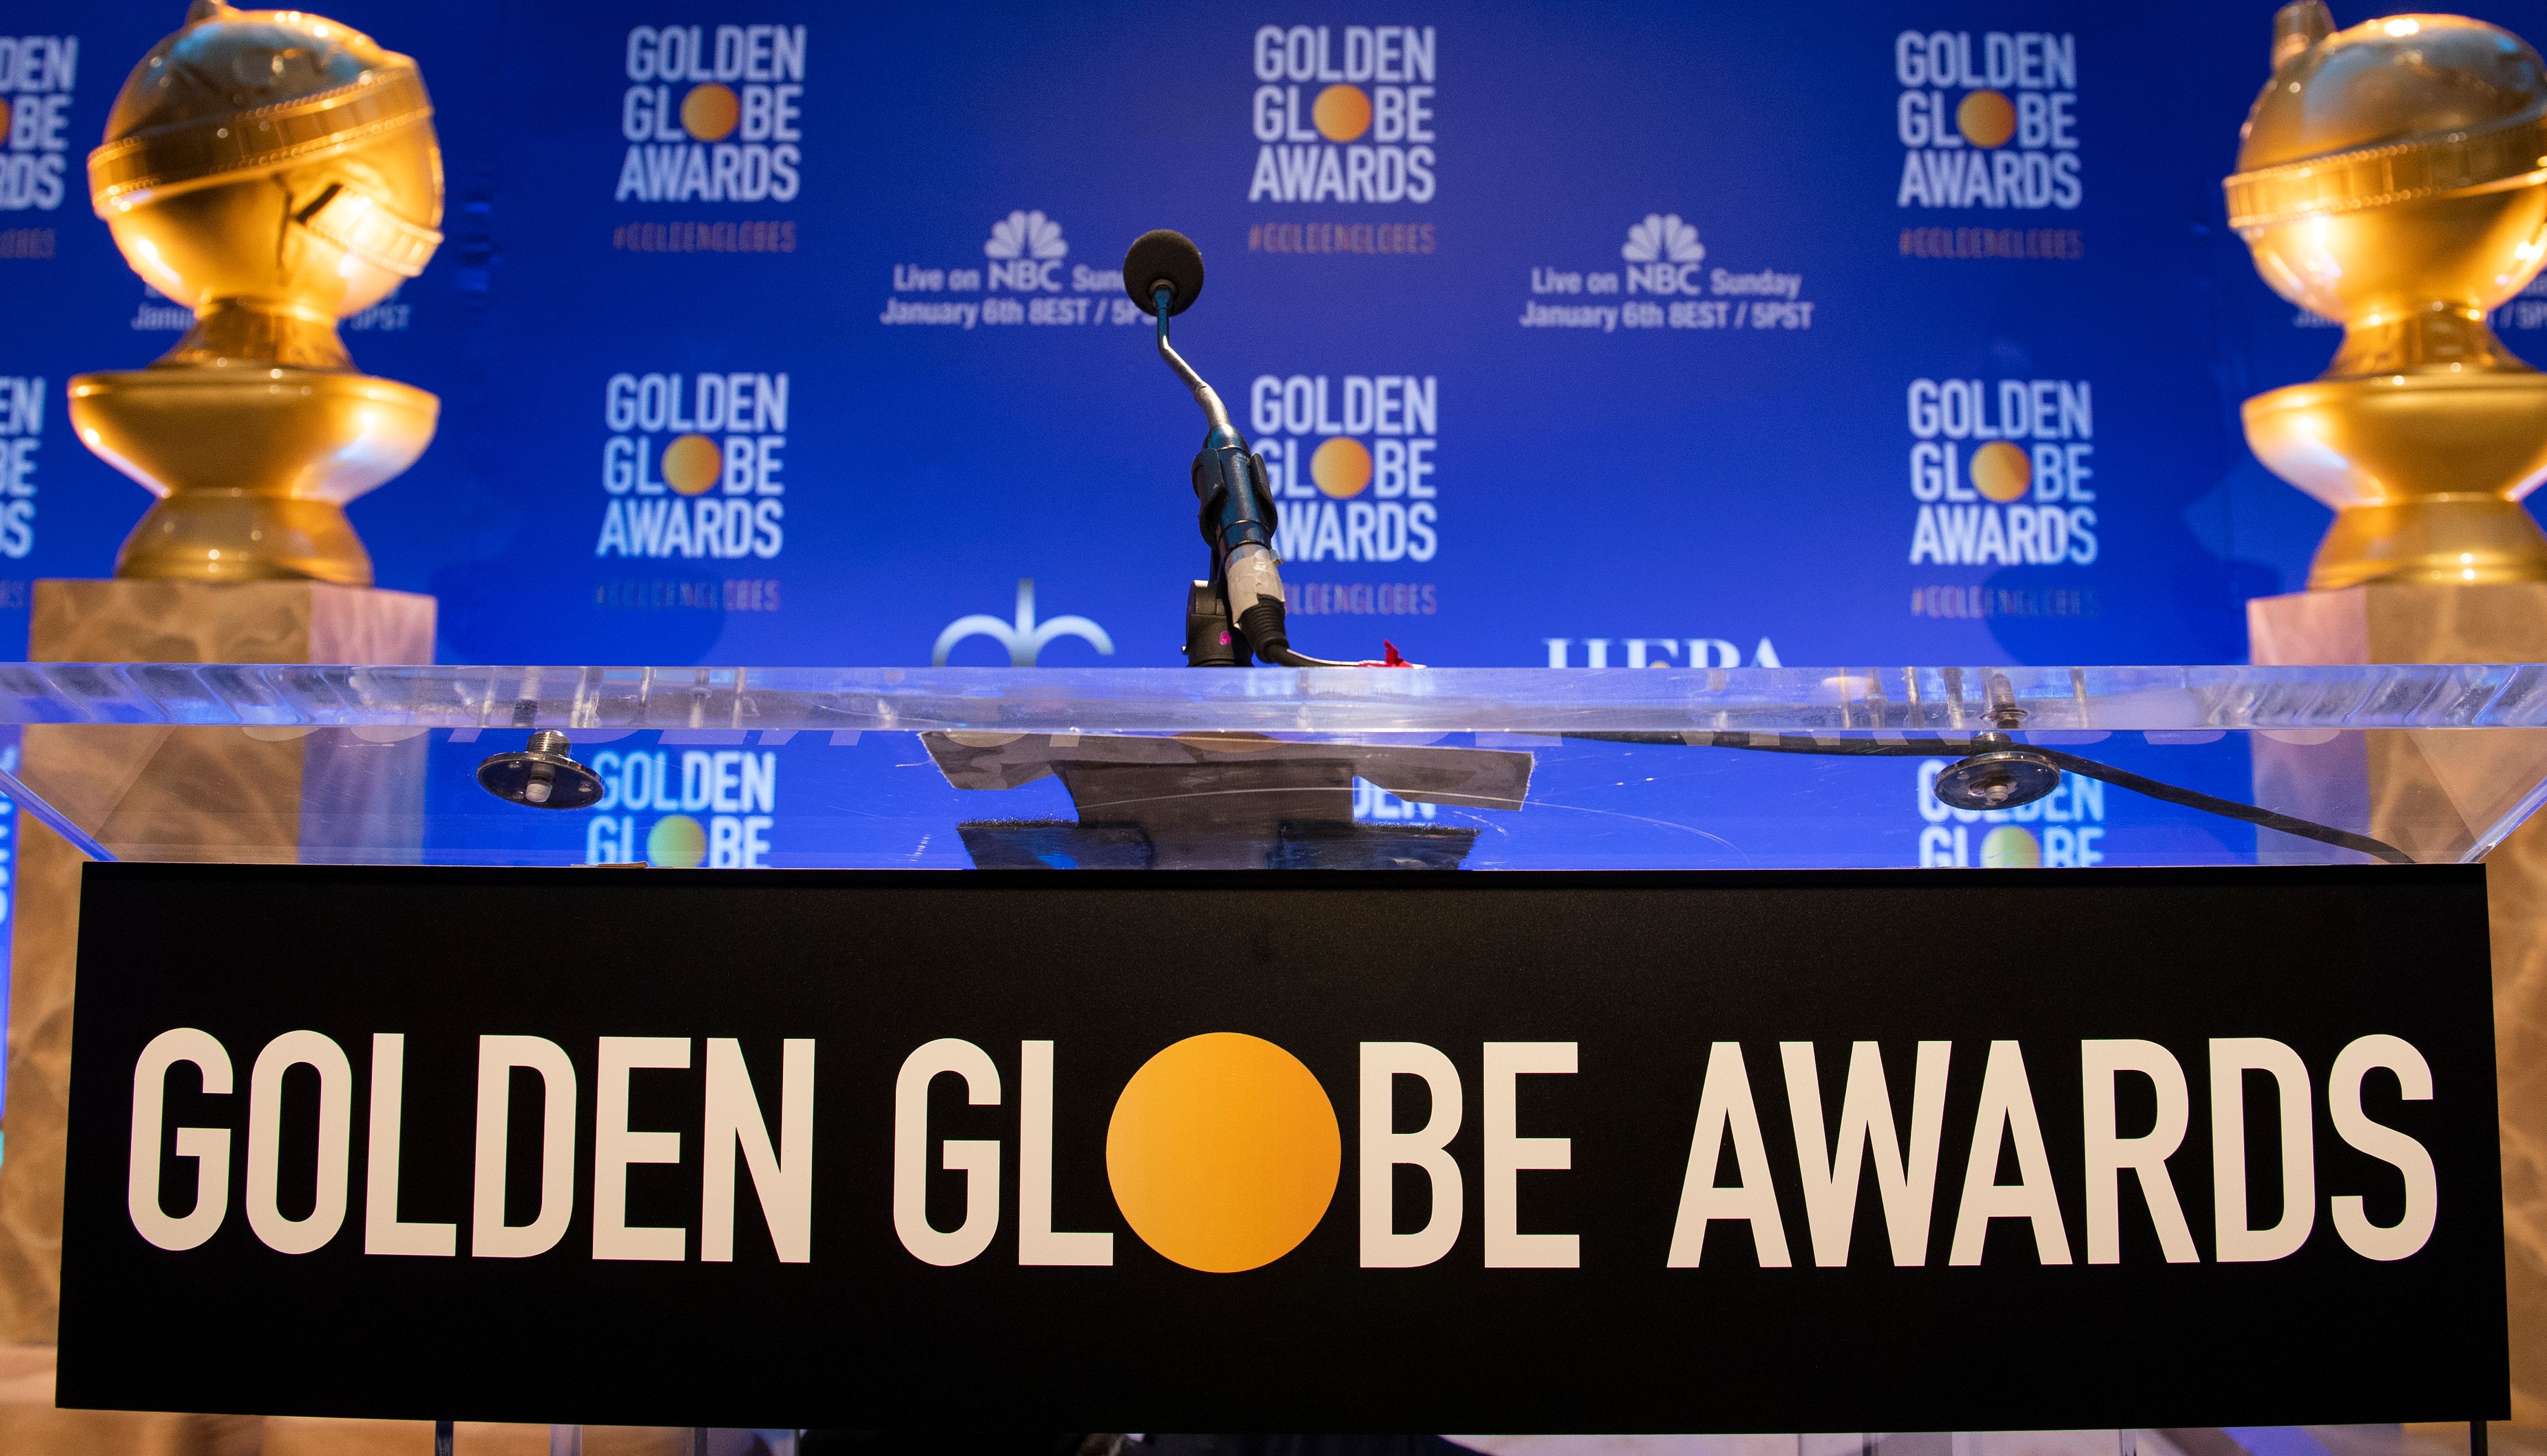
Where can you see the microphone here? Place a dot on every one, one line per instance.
(1163, 258)
(1240, 609)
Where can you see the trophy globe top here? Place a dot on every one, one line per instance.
(249, 126)
(2395, 168)
(2394, 177)
(2403, 79)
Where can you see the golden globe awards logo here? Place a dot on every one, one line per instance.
(1343, 115)
(712, 808)
(1224, 1153)
(694, 465)
(2004, 475)
(713, 116)
(2063, 829)
(22, 429)
(36, 77)
(1352, 460)
(1987, 121)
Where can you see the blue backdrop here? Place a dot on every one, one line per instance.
(775, 333)
(1586, 333)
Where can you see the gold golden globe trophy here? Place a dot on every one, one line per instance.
(274, 171)
(2394, 177)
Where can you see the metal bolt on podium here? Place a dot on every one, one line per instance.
(2005, 773)
(540, 774)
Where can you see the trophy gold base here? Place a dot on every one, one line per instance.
(2447, 539)
(216, 535)
(2424, 471)
(253, 464)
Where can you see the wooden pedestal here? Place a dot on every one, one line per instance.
(156, 793)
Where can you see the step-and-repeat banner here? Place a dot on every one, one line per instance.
(778, 333)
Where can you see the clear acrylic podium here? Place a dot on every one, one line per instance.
(1467, 769)
(1479, 769)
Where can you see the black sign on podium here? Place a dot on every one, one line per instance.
(1308, 1151)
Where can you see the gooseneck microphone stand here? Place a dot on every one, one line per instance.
(1238, 611)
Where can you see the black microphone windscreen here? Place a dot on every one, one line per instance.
(1167, 256)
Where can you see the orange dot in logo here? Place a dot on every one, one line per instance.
(1223, 1152)
(709, 111)
(692, 463)
(2009, 847)
(1341, 112)
(676, 842)
(1987, 118)
(2001, 472)
(1342, 467)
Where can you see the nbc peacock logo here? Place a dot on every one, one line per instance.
(1662, 236)
(713, 114)
(1662, 254)
(1026, 249)
(1664, 258)
(1019, 277)
(1344, 114)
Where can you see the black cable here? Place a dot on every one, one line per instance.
(1262, 625)
(1285, 657)
(2230, 808)
(2086, 767)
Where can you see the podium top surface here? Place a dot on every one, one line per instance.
(1322, 768)
(1319, 701)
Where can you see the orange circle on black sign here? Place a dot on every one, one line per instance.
(1223, 1151)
